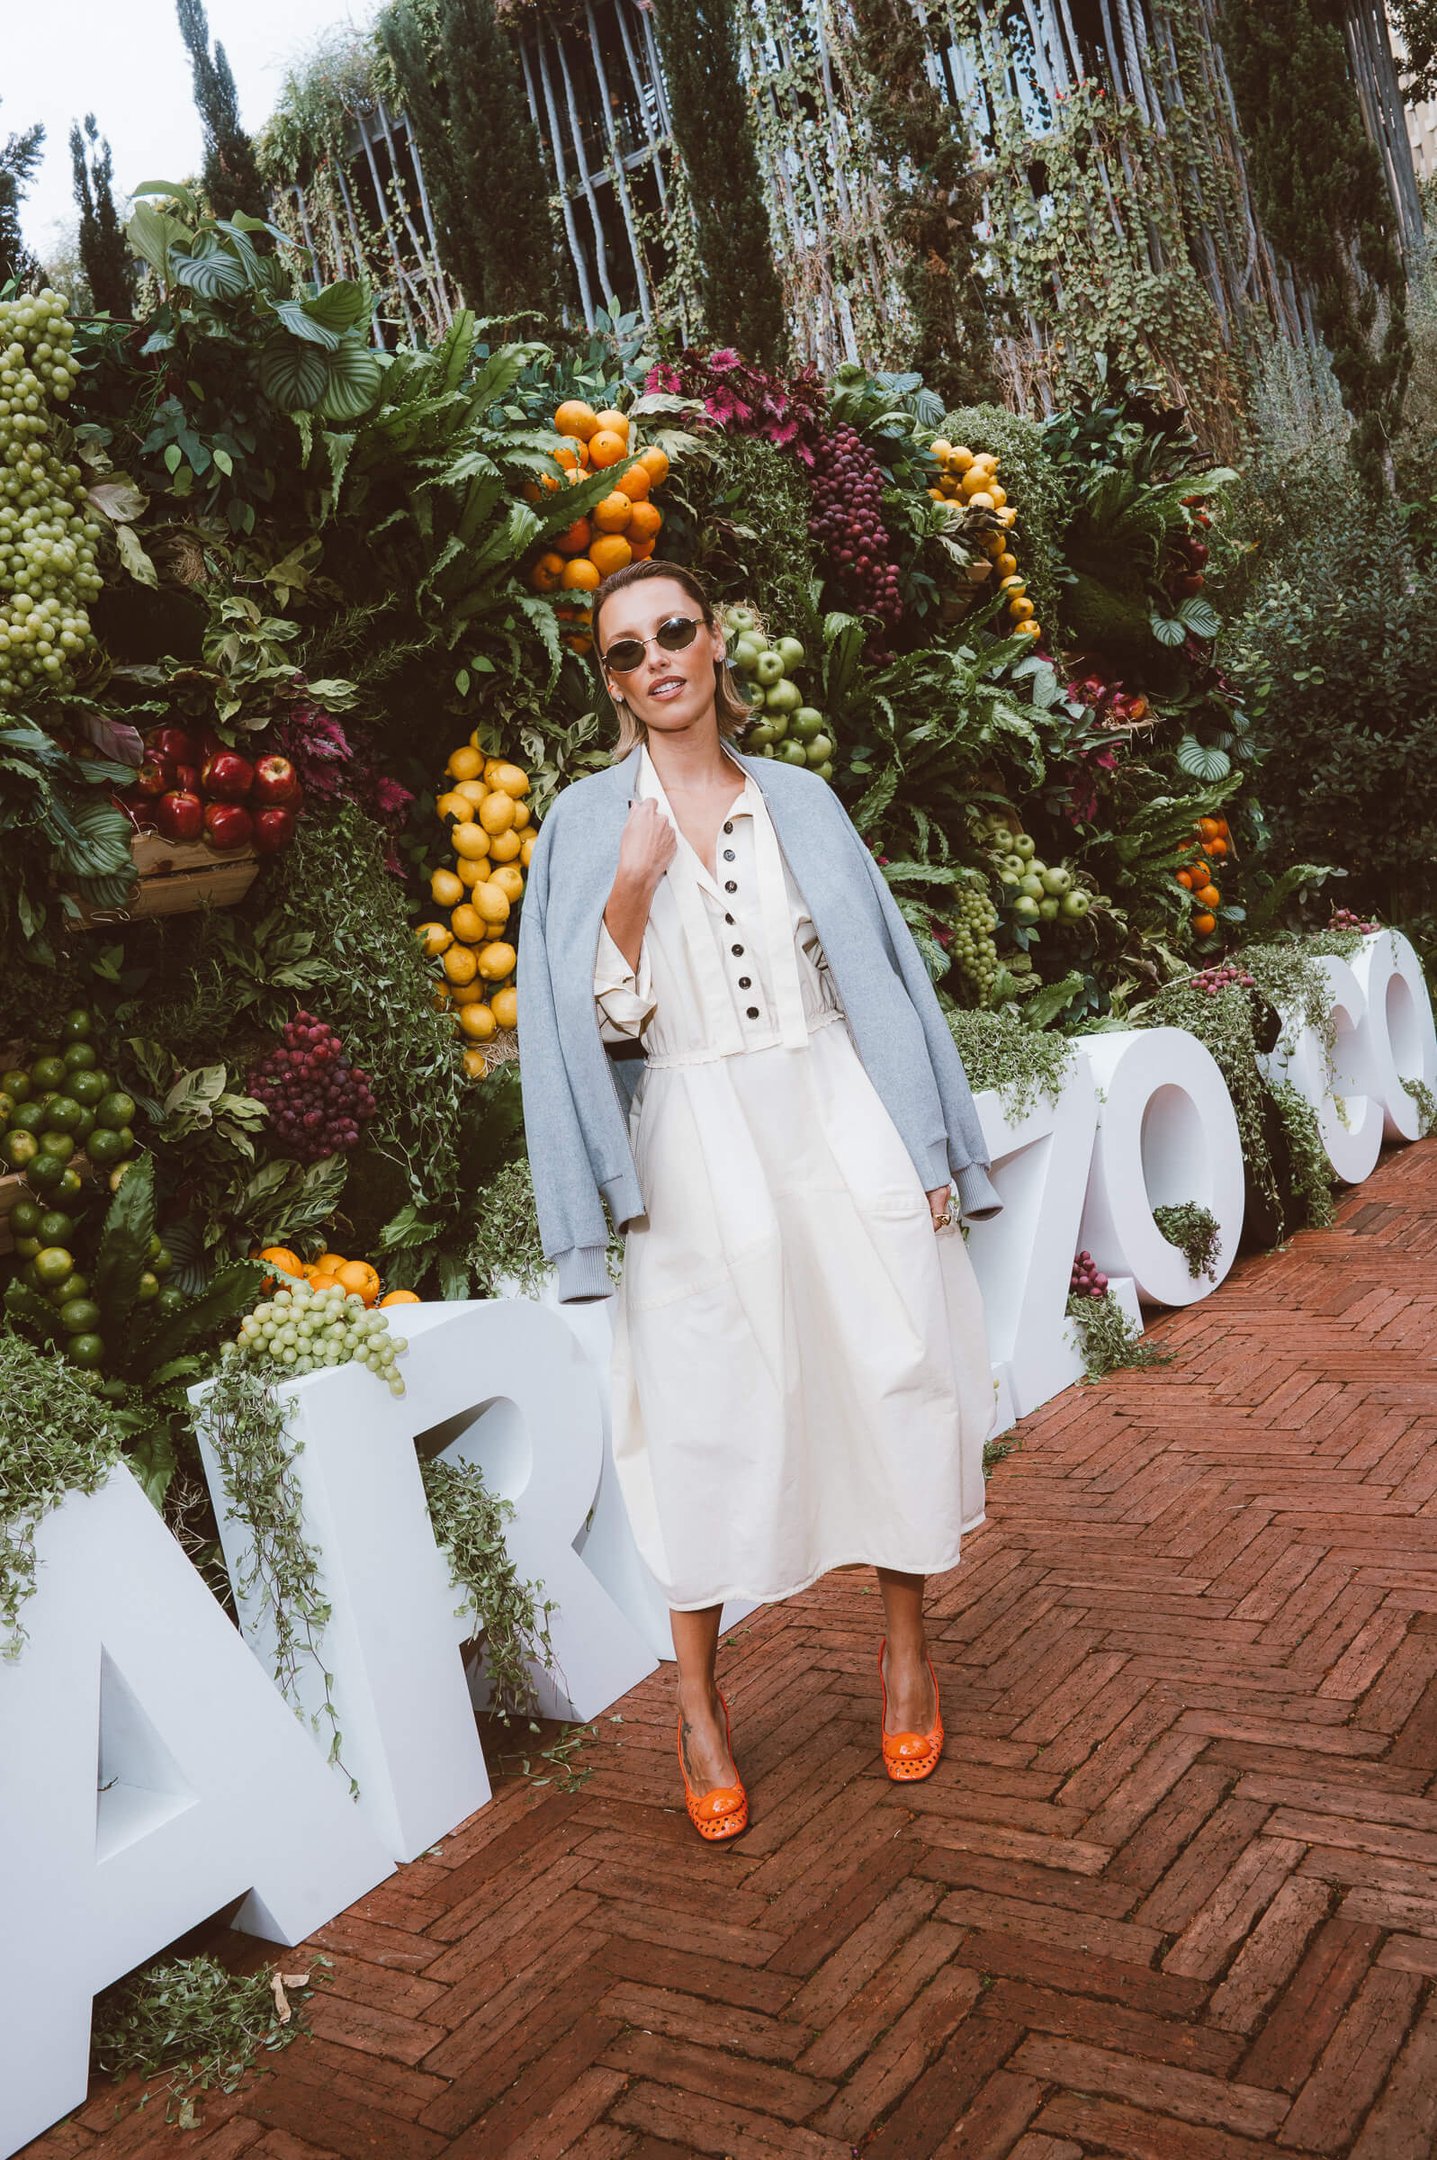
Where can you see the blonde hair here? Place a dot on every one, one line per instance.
(732, 709)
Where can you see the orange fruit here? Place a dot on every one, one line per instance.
(1020, 609)
(330, 1263)
(635, 482)
(359, 1276)
(400, 1297)
(1032, 629)
(610, 552)
(1217, 848)
(321, 1279)
(1209, 896)
(607, 447)
(496, 812)
(1185, 877)
(1209, 827)
(580, 575)
(613, 513)
(547, 571)
(575, 538)
(572, 456)
(574, 417)
(656, 463)
(613, 422)
(1202, 871)
(1204, 924)
(280, 1256)
(645, 519)
(639, 551)
(1007, 564)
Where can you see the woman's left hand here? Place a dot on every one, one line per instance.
(938, 1205)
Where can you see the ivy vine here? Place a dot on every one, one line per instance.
(469, 1524)
(56, 1437)
(1196, 1232)
(1107, 1337)
(1022, 1064)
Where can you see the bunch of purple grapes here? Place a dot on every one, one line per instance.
(847, 525)
(1088, 1279)
(1213, 979)
(317, 1101)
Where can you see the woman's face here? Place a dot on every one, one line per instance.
(669, 692)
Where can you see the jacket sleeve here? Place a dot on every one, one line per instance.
(572, 1225)
(967, 1150)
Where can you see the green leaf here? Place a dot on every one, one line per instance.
(296, 318)
(32, 1314)
(355, 378)
(341, 306)
(406, 1228)
(1167, 630)
(233, 1292)
(213, 274)
(1203, 760)
(1054, 998)
(1201, 617)
(124, 1252)
(133, 556)
(292, 376)
(152, 234)
(98, 842)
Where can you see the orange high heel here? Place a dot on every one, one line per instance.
(722, 1812)
(908, 1756)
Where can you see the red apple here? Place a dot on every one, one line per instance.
(227, 777)
(273, 829)
(155, 776)
(180, 815)
(174, 743)
(228, 825)
(188, 776)
(275, 780)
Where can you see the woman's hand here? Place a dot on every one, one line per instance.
(938, 1205)
(646, 848)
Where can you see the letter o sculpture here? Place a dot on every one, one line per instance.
(1401, 1038)
(1167, 1133)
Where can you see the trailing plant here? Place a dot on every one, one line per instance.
(1196, 1232)
(56, 1437)
(1223, 1023)
(1426, 1102)
(1309, 1171)
(505, 1248)
(205, 2025)
(507, 1613)
(1024, 1064)
(1107, 1337)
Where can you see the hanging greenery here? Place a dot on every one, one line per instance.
(507, 1613)
(1108, 1338)
(1196, 1232)
(741, 301)
(56, 1438)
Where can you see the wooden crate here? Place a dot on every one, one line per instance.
(177, 876)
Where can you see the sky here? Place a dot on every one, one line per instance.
(123, 61)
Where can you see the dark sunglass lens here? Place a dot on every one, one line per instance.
(677, 632)
(624, 653)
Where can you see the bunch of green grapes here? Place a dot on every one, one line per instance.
(972, 950)
(305, 1330)
(47, 532)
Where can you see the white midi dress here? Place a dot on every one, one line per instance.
(800, 1372)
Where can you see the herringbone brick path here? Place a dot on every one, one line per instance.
(1171, 1896)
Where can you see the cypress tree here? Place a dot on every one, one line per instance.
(742, 298)
(18, 158)
(458, 77)
(935, 202)
(104, 254)
(230, 174)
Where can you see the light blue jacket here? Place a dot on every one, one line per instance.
(577, 1095)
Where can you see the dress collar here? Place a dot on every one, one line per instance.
(648, 784)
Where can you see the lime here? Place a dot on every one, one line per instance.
(57, 1143)
(170, 1301)
(47, 1072)
(80, 1316)
(76, 1025)
(25, 1219)
(87, 1351)
(52, 1227)
(116, 1111)
(117, 1176)
(76, 1285)
(16, 1084)
(53, 1264)
(45, 1172)
(7, 1104)
(80, 1057)
(71, 1184)
(160, 1259)
(83, 1129)
(127, 1134)
(27, 1117)
(149, 1287)
(88, 1088)
(19, 1149)
(63, 1114)
(104, 1148)
(27, 1247)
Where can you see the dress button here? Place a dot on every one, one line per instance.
(753, 1012)
(729, 885)
(745, 982)
(737, 951)
(729, 826)
(728, 918)
(728, 855)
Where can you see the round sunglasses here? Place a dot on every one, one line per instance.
(676, 634)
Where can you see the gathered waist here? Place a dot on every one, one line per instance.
(769, 1040)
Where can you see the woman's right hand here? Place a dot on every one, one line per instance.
(647, 846)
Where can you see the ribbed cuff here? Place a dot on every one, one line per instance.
(582, 1273)
(977, 1196)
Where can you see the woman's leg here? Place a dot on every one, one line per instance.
(705, 1749)
(905, 1662)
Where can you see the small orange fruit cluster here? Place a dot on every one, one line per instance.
(1210, 845)
(970, 477)
(356, 1276)
(492, 834)
(621, 528)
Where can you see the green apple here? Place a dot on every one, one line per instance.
(791, 653)
(768, 666)
(745, 652)
(793, 753)
(1057, 880)
(1032, 886)
(1048, 909)
(1075, 902)
(740, 618)
(807, 722)
(759, 738)
(783, 697)
(1025, 845)
(820, 749)
(1025, 909)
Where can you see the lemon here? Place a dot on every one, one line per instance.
(459, 964)
(470, 926)
(505, 1007)
(511, 778)
(496, 812)
(475, 1064)
(510, 880)
(491, 766)
(527, 847)
(471, 873)
(471, 840)
(467, 993)
(473, 792)
(477, 1021)
(446, 888)
(505, 845)
(495, 960)
(435, 938)
(491, 904)
(454, 805)
(465, 764)
(522, 815)
(960, 457)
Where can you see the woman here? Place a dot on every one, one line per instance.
(727, 1031)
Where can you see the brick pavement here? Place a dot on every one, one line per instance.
(1172, 1895)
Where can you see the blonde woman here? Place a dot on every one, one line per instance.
(728, 1035)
